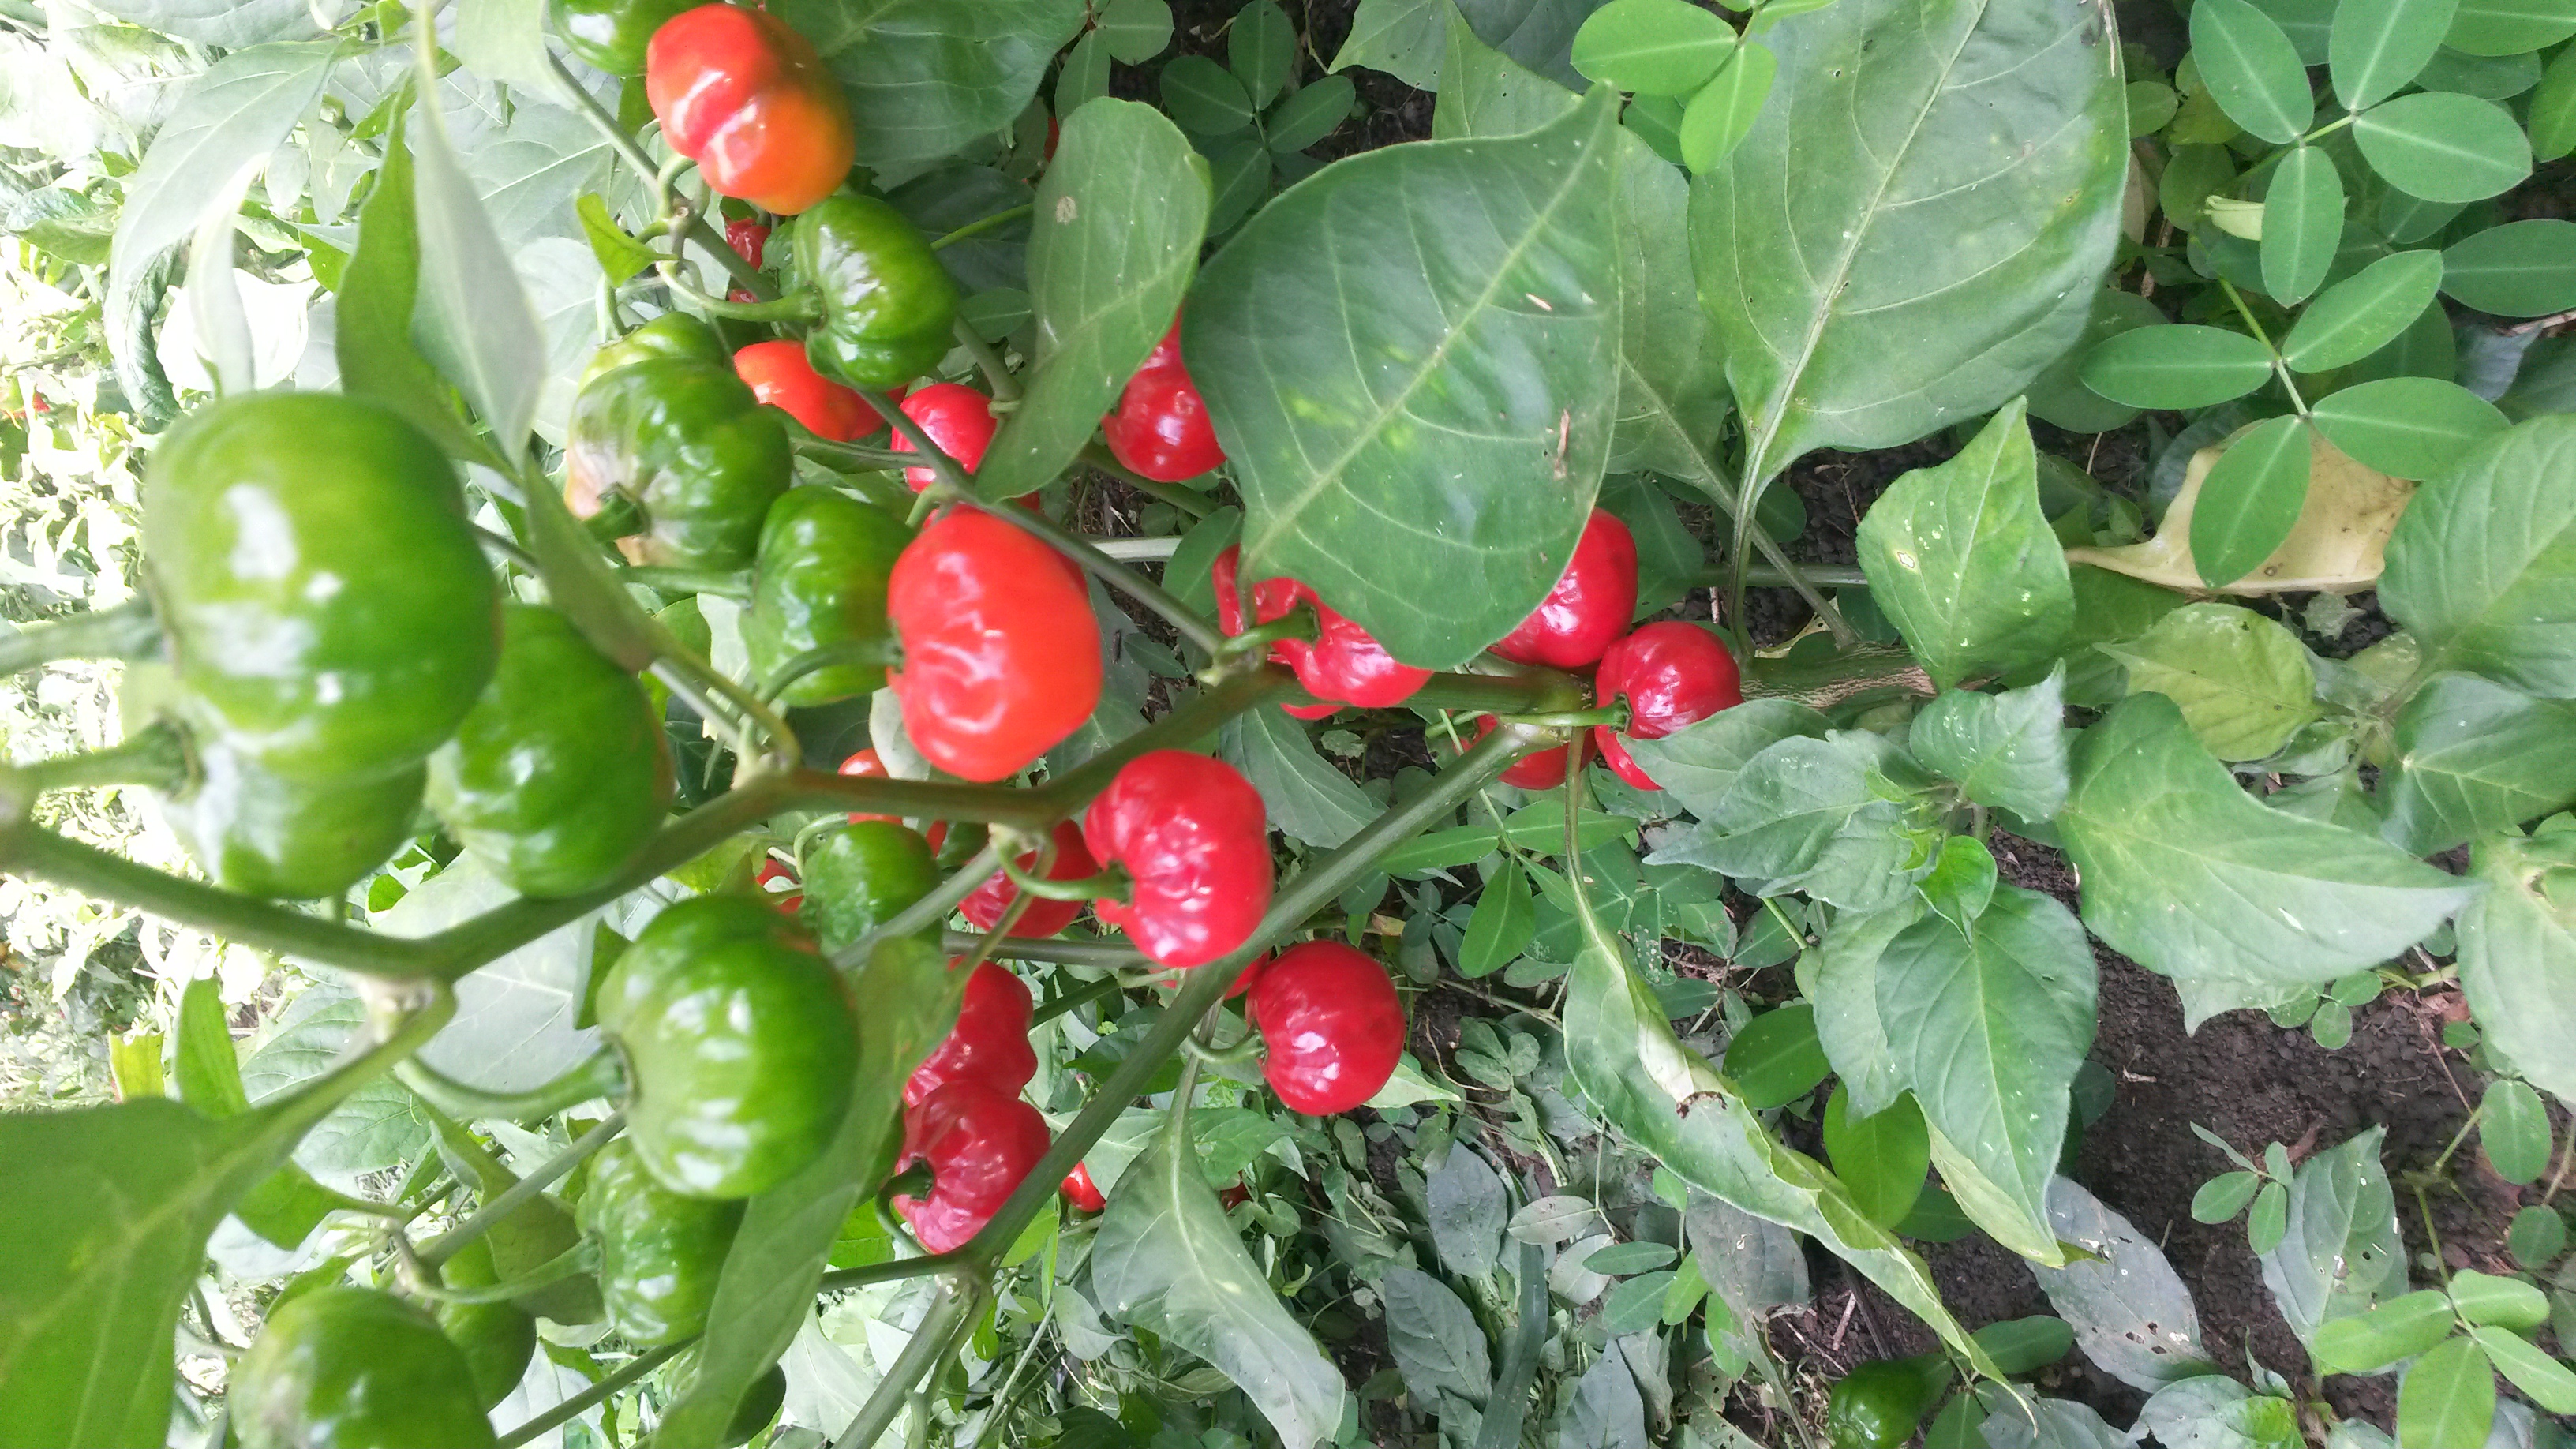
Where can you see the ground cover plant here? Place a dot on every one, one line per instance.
(1468, 722)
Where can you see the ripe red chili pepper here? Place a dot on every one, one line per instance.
(1331, 1027)
(1542, 771)
(779, 375)
(1161, 428)
(958, 418)
(1001, 658)
(1341, 663)
(988, 1045)
(1671, 674)
(747, 98)
(1192, 836)
(1082, 1192)
(1589, 607)
(1043, 917)
(980, 1143)
(749, 239)
(786, 898)
(868, 765)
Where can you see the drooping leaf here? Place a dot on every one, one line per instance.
(2339, 1251)
(2475, 758)
(2518, 957)
(472, 318)
(925, 77)
(2006, 750)
(2131, 1313)
(2482, 569)
(2244, 683)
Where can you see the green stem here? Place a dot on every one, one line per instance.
(1101, 990)
(446, 1244)
(858, 454)
(705, 234)
(997, 376)
(2280, 368)
(1108, 884)
(1513, 693)
(723, 583)
(950, 1314)
(598, 1393)
(1190, 503)
(841, 1280)
(802, 307)
(603, 1075)
(841, 652)
(1760, 576)
(1060, 953)
(128, 631)
(972, 229)
(156, 757)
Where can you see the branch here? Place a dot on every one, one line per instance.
(127, 631)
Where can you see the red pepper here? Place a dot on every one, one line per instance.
(1082, 1192)
(980, 1143)
(779, 375)
(1544, 770)
(958, 418)
(1193, 837)
(1341, 665)
(788, 899)
(749, 239)
(868, 765)
(1671, 674)
(1001, 658)
(1043, 917)
(1331, 1027)
(1161, 428)
(1589, 607)
(747, 98)
(988, 1045)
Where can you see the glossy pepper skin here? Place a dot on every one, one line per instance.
(671, 336)
(1001, 657)
(1590, 605)
(560, 772)
(354, 1368)
(741, 1046)
(867, 765)
(1082, 1192)
(1879, 1405)
(1193, 837)
(611, 34)
(1331, 1027)
(860, 878)
(889, 307)
(498, 1338)
(958, 418)
(323, 599)
(747, 98)
(989, 1045)
(1341, 663)
(258, 835)
(659, 1251)
(820, 579)
(984, 907)
(692, 447)
(980, 1142)
(1672, 674)
(1544, 770)
(778, 374)
(1160, 428)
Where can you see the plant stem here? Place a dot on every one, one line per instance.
(1062, 953)
(1187, 501)
(1760, 576)
(977, 228)
(860, 454)
(802, 307)
(1006, 388)
(723, 583)
(127, 631)
(153, 757)
(706, 235)
(446, 1244)
(1100, 990)
(634, 1369)
(603, 1075)
(951, 1313)
(2280, 367)
(1139, 550)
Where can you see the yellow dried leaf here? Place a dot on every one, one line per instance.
(2337, 543)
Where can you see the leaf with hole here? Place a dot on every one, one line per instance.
(2131, 1314)
(2339, 1251)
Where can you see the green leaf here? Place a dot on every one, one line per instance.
(228, 24)
(1166, 1260)
(2269, 1221)
(2180, 366)
(2536, 1237)
(1399, 37)
(1434, 1339)
(2551, 120)
(1963, 561)
(375, 1128)
(2244, 683)
(1084, 77)
(1539, 828)
(1722, 113)
(2189, 876)
(2027, 1345)
(2448, 1398)
(1261, 47)
(2131, 1314)
(1314, 112)
(1497, 422)
(2224, 1196)
(2518, 958)
(1622, 1259)
(2513, 1127)
(2407, 427)
(2519, 269)
(2367, 1342)
(1652, 47)
(621, 256)
(1637, 1304)
(1842, 329)
(1776, 1058)
(2058, 395)
(1307, 798)
(2551, 1384)
(1988, 1025)
(2482, 565)
(1135, 31)
(1844, 990)
(1698, 763)
(2302, 224)
(2364, 312)
(1204, 97)
(2476, 758)
(2006, 750)
(1484, 92)
(1821, 816)
(1881, 1158)
(2252, 69)
(1962, 882)
(2374, 50)
(472, 318)
(2444, 146)
(2250, 499)
(2510, 27)
(1506, 915)
(2339, 1251)
(1115, 234)
(1467, 1203)
(2486, 1298)
(925, 77)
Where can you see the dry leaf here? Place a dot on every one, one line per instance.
(2337, 544)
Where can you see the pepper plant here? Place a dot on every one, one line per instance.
(773, 524)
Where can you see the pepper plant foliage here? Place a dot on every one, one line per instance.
(663, 1159)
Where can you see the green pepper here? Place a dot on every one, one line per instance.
(685, 443)
(859, 877)
(611, 34)
(498, 1338)
(741, 1046)
(671, 335)
(355, 1368)
(659, 1252)
(326, 606)
(1880, 1404)
(821, 580)
(559, 774)
(889, 307)
(260, 835)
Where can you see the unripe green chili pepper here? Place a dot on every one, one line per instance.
(498, 1338)
(255, 833)
(611, 34)
(671, 335)
(1880, 1404)
(325, 603)
(821, 579)
(659, 1252)
(859, 878)
(690, 446)
(354, 1368)
(889, 307)
(560, 772)
(741, 1046)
